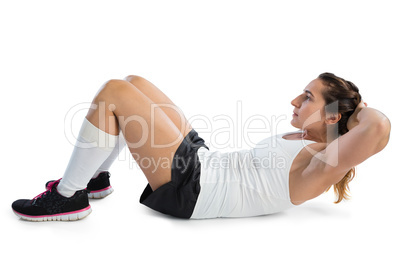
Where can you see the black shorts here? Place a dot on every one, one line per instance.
(179, 196)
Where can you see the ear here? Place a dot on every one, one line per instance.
(332, 118)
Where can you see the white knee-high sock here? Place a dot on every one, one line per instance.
(92, 148)
(112, 157)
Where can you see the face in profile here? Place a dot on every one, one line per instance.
(309, 107)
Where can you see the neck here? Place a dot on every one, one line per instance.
(320, 137)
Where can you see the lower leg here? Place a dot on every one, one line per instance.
(105, 166)
(94, 151)
(92, 148)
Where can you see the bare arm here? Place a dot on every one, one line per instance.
(368, 134)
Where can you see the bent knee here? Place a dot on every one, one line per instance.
(114, 87)
(134, 78)
(115, 83)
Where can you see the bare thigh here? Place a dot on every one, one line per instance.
(151, 135)
(163, 101)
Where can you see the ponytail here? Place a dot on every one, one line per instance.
(341, 189)
(348, 97)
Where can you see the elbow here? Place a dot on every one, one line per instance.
(375, 126)
(385, 126)
(383, 131)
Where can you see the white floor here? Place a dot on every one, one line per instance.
(120, 231)
(207, 56)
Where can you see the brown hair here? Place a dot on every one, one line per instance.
(347, 96)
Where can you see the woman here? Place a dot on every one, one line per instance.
(186, 180)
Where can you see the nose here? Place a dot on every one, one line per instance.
(295, 102)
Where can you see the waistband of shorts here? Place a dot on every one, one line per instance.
(194, 140)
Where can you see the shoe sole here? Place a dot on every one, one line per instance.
(70, 216)
(100, 193)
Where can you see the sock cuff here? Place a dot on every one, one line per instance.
(90, 136)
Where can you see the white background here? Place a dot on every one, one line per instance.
(206, 56)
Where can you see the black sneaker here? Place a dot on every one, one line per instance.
(98, 187)
(51, 206)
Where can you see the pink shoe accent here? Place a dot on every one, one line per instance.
(54, 215)
(101, 190)
(48, 189)
(50, 185)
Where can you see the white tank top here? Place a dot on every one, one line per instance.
(248, 182)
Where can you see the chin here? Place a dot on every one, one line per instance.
(294, 124)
